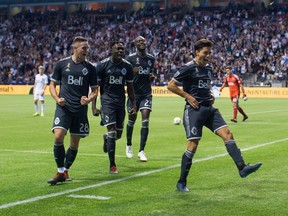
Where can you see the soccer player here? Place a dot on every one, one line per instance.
(74, 75)
(143, 68)
(195, 77)
(40, 84)
(113, 72)
(234, 83)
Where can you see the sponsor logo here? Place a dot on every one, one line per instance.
(114, 80)
(75, 81)
(202, 84)
(194, 131)
(143, 71)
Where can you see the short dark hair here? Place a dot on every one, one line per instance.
(115, 42)
(228, 67)
(79, 39)
(202, 43)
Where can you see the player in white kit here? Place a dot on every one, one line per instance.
(41, 81)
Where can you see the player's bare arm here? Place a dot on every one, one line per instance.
(131, 95)
(95, 111)
(86, 100)
(53, 92)
(173, 87)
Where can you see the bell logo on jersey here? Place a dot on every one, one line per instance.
(75, 81)
(114, 80)
(203, 84)
(143, 71)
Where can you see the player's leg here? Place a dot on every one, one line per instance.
(79, 129)
(144, 133)
(36, 107)
(234, 104)
(129, 130)
(111, 147)
(61, 124)
(245, 117)
(193, 124)
(219, 126)
(59, 155)
(145, 107)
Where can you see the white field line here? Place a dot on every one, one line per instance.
(89, 197)
(37, 198)
(262, 112)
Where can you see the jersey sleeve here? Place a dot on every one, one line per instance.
(129, 77)
(56, 76)
(93, 80)
(181, 74)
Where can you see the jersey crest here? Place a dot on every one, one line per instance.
(84, 71)
(124, 71)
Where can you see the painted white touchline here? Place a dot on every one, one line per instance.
(34, 199)
(263, 112)
(89, 197)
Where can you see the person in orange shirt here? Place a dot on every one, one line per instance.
(234, 83)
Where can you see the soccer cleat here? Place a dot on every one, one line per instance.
(129, 151)
(42, 114)
(36, 114)
(245, 118)
(105, 136)
(249, 168)
(60, 177)
(67, 176)
(141, 156)
(234, 120)
(181, 186)
(113, 170)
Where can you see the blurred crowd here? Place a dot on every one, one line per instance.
(251, 39)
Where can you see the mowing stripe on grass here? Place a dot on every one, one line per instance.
(37, 198)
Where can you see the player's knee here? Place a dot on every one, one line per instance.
(145, 123)
(131, 123)
(112, 134)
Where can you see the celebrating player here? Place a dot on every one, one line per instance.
(143, 68)
(195, 76)
(74, 74)
(113, 72)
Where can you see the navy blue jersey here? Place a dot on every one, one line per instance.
(141, 81)
(196, 81)
(112, 78)
(74, 80)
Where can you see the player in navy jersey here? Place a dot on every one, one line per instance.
(143, 69)
(113, 72)
(75, 75)
(195, 77)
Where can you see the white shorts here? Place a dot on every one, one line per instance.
(38, 97)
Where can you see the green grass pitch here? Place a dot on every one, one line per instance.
(26, 163)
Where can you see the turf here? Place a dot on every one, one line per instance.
(26, 145)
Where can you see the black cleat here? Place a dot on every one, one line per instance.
(105, 137)
(234, 120)
(60, 177)
(249, 168)
(181, 186)
(245, 118)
